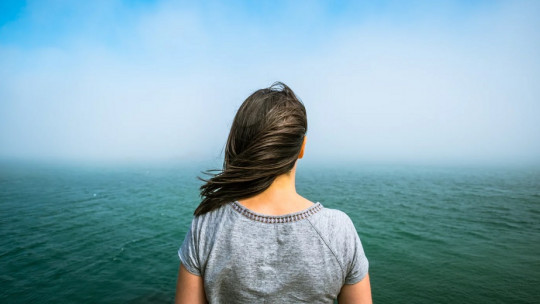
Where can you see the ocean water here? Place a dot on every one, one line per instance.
(432, 234)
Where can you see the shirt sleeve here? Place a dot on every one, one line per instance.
(358, 266)
(188, 252)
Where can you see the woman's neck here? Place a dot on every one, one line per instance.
(280, 198)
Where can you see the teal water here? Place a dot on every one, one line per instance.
(82, 234)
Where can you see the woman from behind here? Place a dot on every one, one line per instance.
(253, 238)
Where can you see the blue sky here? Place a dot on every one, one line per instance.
(398, 81)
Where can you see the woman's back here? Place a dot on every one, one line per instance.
(248, 257)
(234, 254)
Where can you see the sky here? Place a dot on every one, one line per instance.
(382, 81)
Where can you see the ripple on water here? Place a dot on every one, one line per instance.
(432, 235)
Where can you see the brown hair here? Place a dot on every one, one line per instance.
(264, 142)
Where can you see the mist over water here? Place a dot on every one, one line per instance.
(161, 80)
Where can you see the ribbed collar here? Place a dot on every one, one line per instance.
(276, 219)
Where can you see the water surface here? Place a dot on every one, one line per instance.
(432, 234)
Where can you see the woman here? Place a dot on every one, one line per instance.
(253, 239)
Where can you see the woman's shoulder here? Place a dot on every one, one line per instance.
(334, 225)
(333, 216)
(210, 218)
(338, 232)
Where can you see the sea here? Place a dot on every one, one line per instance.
(73, 233)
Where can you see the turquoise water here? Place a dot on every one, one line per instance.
(75, 234)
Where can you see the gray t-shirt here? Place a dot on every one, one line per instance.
(248, 257)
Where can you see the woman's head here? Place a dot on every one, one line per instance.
(264, 142)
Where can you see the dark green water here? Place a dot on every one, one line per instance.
(74, 234)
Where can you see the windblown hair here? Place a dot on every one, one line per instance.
(264, 142)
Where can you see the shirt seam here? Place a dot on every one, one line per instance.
(329, 248)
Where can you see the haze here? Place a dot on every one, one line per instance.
(161, 80)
